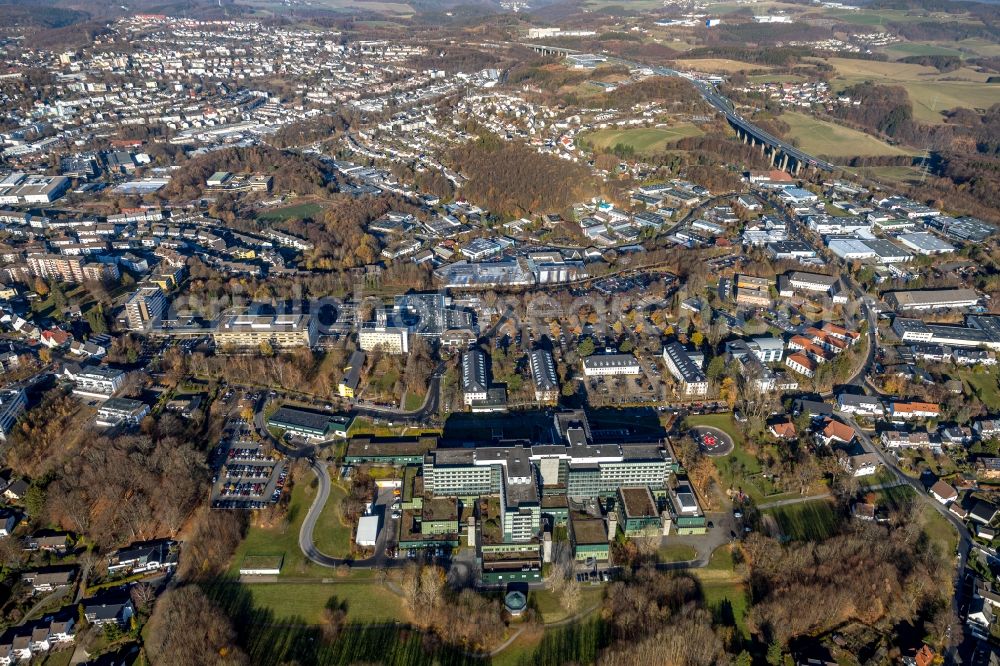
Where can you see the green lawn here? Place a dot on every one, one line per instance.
(645, 140)
(919, 48)
(983, 384)
(824, 138)
(806, 521)
(676, 552)
(724, 591)
(551, 610)
(737, 468)
(302, 211)
(366, 601)
(413, 401)
(333, 534)
(283, 539)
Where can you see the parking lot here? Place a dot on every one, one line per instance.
(244, 476)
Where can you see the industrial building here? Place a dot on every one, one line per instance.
(932, 299)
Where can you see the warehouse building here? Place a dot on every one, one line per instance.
(932, 299)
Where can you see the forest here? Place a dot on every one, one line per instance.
(514, 180)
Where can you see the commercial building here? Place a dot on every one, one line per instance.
(310, 424)
(925, 243)
(604, 365)
(543, 374)
(121, 411)
(573, 465)
(877, 250)
(283, 331)
(979, 331)
(932, 299)
(691, 377)
(144, 308)
(13, 402)
(388, 339)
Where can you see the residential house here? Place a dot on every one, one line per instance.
(143, 557)
(914, 410)
(943, 492)
(107, 610)
(49, 579)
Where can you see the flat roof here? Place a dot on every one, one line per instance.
(300, 418)
(638, 502)
(588, 530)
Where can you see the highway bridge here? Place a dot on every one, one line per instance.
(782, 154)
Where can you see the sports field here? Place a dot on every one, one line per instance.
(301, 211)
(819, 137)
(645, 140)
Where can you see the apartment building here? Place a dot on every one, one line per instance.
(475, 386)
(752, 290)
(691, 377)
(98, 381)
(543, 373)
(280, 331)
(914, 410)
(388, 339)
(605, 365)
(13, 402)
(144, 307)
(119, 411)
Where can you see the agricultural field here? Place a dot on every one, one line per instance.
(929, 90)
(645, 141)
(824, 138)
(718, 65)
(904, 49)
(398, 9)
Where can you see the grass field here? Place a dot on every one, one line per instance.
(366, 601)
(984, 384)
(823, 138)
(806, 521)
(718, 65)
(893, 174)
(283, 539)
(919, 48)
(929, 90)
(549, 608)
(676, 552)
(302, 211)
(333, 535)
(725, 592)
(646, 140)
